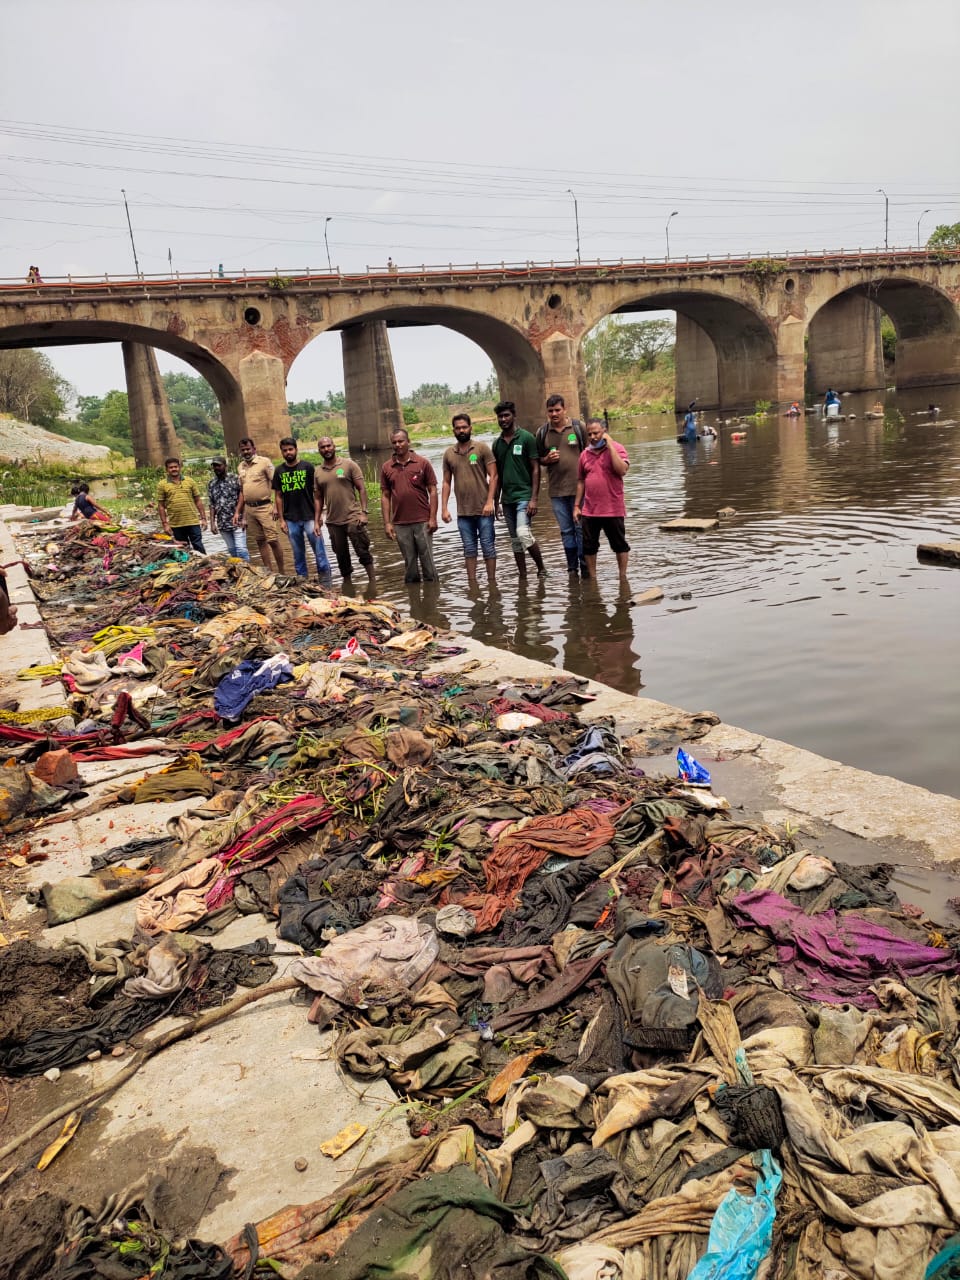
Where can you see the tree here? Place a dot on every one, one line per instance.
(114, 416)
(946, 236)
(31, 389)
(431, 393)
(183, 388)
(88, 408)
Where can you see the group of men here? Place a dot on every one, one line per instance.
(584, 469)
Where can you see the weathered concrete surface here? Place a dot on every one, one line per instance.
(689, 524)
(945, 552)
(151, 422)
(695, 358)
(843, 346)
(374, 410)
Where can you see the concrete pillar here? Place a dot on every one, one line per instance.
(263, 384)
(370, 385)
(791, 362)
(843, 346)
(695, 358)
(151, 423)
(927, 360)
(563, 374)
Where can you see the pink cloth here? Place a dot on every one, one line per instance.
(602, 487)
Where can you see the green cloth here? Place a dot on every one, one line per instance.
(515, 459)
(444, 1226)
(180, 500)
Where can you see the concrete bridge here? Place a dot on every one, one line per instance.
(748, 329)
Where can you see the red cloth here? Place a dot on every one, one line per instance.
(548, 715)
(602, 487)
(259, 845)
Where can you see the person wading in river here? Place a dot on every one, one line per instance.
(341, 493)
(408, 500)
(256, 503)
(600, 505)
(518, 485)
(295, 503)
(469, 465)
(560, 442)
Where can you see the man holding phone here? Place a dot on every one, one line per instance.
(600, 506)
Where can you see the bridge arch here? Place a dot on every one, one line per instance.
(76, 331)
(726, 352)
(843, 334)
(518, 364)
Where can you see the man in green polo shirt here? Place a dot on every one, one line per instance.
(518, 485)
(181, 509)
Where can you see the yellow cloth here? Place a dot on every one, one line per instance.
(34, 717)
(40, 671)
(112, 639)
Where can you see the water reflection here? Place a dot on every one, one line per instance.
(806, 616)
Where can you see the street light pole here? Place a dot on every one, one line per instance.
(666, 232)
(136, 264)
(576, 219)
(326, 244)
(886, 217)
(919, 220)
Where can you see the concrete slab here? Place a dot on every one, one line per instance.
(943, 552)
(689, 524)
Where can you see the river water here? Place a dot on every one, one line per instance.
(806, 617)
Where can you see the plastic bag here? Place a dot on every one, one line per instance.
(742, 1229)
(351, 652)
(691, 770)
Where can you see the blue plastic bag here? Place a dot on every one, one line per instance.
(742, 1229)
(690, 770)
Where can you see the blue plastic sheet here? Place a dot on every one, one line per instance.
(742, 1229)
(691, 770)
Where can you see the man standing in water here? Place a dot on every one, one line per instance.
(600, 505)
(341, 493)
(408, 500)
(471, 468)
(293, 493)
(559, 445)
(255, 473)
(518, 485)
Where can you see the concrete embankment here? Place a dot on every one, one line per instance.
(227, 1109)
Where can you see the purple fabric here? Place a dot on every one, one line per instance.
(835, 958)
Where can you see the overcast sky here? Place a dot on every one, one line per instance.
(433, 132)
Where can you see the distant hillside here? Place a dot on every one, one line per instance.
(24, 442)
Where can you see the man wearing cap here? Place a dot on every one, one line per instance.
(223, 492)
(341, 498)
(256, 503)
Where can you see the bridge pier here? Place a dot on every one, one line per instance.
(695, 359)
(843, 346)
(263, 414)
(370, 385)
(151, 422)
(563, 374)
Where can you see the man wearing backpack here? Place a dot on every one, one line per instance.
(559, 445)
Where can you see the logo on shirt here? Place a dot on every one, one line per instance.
(572, 438)
(340, 472)
(517, 449)
(473, 458)
(292, 481)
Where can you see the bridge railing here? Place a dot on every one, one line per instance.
(283, 278)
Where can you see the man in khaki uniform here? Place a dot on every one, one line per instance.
(256, 505)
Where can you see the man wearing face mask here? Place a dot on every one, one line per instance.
(470, 467)
(599, 503)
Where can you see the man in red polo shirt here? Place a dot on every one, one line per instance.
(599, 505)
(408, 500)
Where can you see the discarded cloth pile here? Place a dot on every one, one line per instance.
(634, 1035)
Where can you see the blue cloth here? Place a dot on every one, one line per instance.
(690, 426)
(571, 533)
(477, 532)
(239, 687)
(300, 532)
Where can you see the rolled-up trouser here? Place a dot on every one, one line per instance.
(477, 532)
(235, 540)
(263, 522)
(414, 541)
(300, 533)
(570, 533)
(518, 526)
(342, 536)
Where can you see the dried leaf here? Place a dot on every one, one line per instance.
(70, 1127)
(514, 1070)
(17, 860)
(343, 1141)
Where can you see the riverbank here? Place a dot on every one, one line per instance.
(230, 1115)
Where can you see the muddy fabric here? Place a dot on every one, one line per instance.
(178, 902)
(386, 956)
(31, 1232)
(447, 1226)
(573, 977)
(834, 958)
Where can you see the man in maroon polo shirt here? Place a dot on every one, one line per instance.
(599, 505)
(408, 500)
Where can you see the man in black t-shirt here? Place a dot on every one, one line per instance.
(293, 494)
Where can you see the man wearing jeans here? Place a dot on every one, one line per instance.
(223, 492)
(472, 470)
(518, 485)
(408, 501)
(559, 445)
(293, 494)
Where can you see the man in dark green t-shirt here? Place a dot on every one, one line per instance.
(518, 485)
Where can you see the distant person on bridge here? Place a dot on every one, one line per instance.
(33, 276)
(470, 467)
(84, 506)
(255, 506)
(560, 442)
(293, 493)
(223, 494)
(518, 485)
(600, 505)
(339, 492)
(181, 510)
(408, 501)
